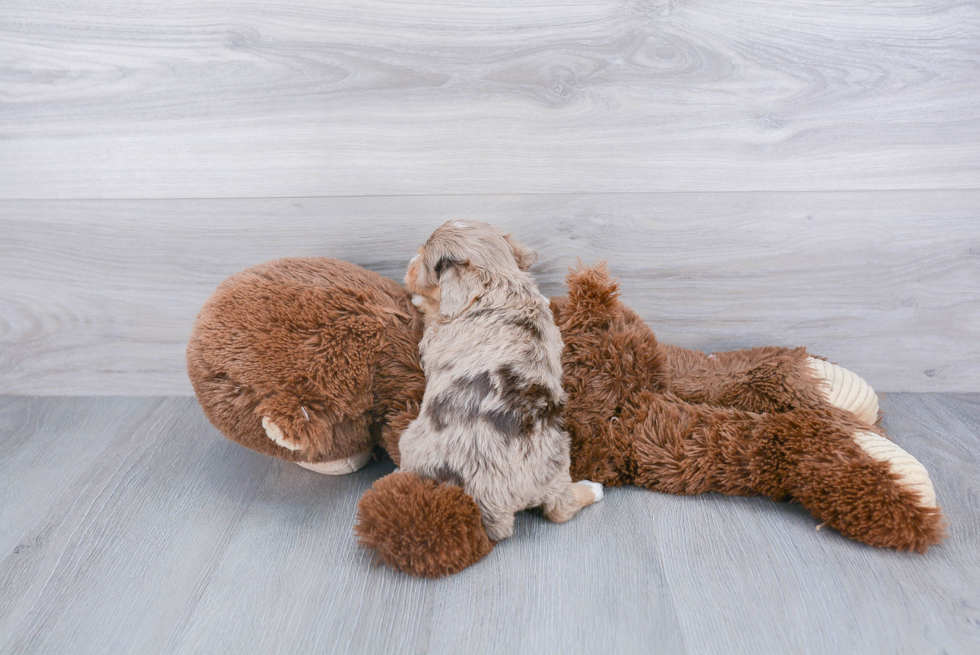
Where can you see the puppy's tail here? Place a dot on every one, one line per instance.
(421, 527)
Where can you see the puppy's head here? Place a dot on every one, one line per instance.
(458, 262)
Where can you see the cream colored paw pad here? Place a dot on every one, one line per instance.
(846, 389)
(340, 466)
(273, 432)
(910, 472)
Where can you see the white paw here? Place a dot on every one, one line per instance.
(344, 466)
(911, 474)
(594, 487)
(273, 432)
(846, 390)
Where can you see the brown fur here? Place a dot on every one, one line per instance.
(661, 417)
(766, 379)
(403, 515)
(315, 334)
(630, 424)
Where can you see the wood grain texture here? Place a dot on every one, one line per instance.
(373, 97)
(98, 297)
(120, 542)
(130, 525)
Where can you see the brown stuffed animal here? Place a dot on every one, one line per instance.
(324, 355)
(317, 349)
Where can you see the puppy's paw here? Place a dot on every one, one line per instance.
(587, 492)
(845, 389)
(499, 528)
(275, 433)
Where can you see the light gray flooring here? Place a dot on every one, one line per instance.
(129, 525)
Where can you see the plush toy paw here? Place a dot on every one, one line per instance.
(846, 390)
(343, 466)
(911, 474)
(275, 433)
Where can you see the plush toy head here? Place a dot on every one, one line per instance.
(308, 360)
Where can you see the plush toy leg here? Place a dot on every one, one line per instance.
(845, 389)
(848, 476)
(910, 473)
(768, 379)
(876, 492)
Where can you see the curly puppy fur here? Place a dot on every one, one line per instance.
(491, 415)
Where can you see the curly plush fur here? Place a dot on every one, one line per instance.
(638, 412)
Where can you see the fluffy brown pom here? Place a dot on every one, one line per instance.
(421, 527)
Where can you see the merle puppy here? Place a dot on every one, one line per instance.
(490, 420)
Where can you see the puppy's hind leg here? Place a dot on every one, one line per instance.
(570, 498)
(499, 525)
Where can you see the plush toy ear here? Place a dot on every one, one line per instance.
(524, 255)
(459, 285)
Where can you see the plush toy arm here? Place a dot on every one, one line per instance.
(401, 384)
(846, 474)
(768, 379)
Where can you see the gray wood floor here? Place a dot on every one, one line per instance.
(130, 525)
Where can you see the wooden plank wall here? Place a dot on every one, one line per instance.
(100, 295)
(756, 172)
(364, 97)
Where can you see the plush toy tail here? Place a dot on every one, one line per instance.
(421, 527)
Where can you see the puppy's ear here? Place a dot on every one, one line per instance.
(459, 285)
(524, 255)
